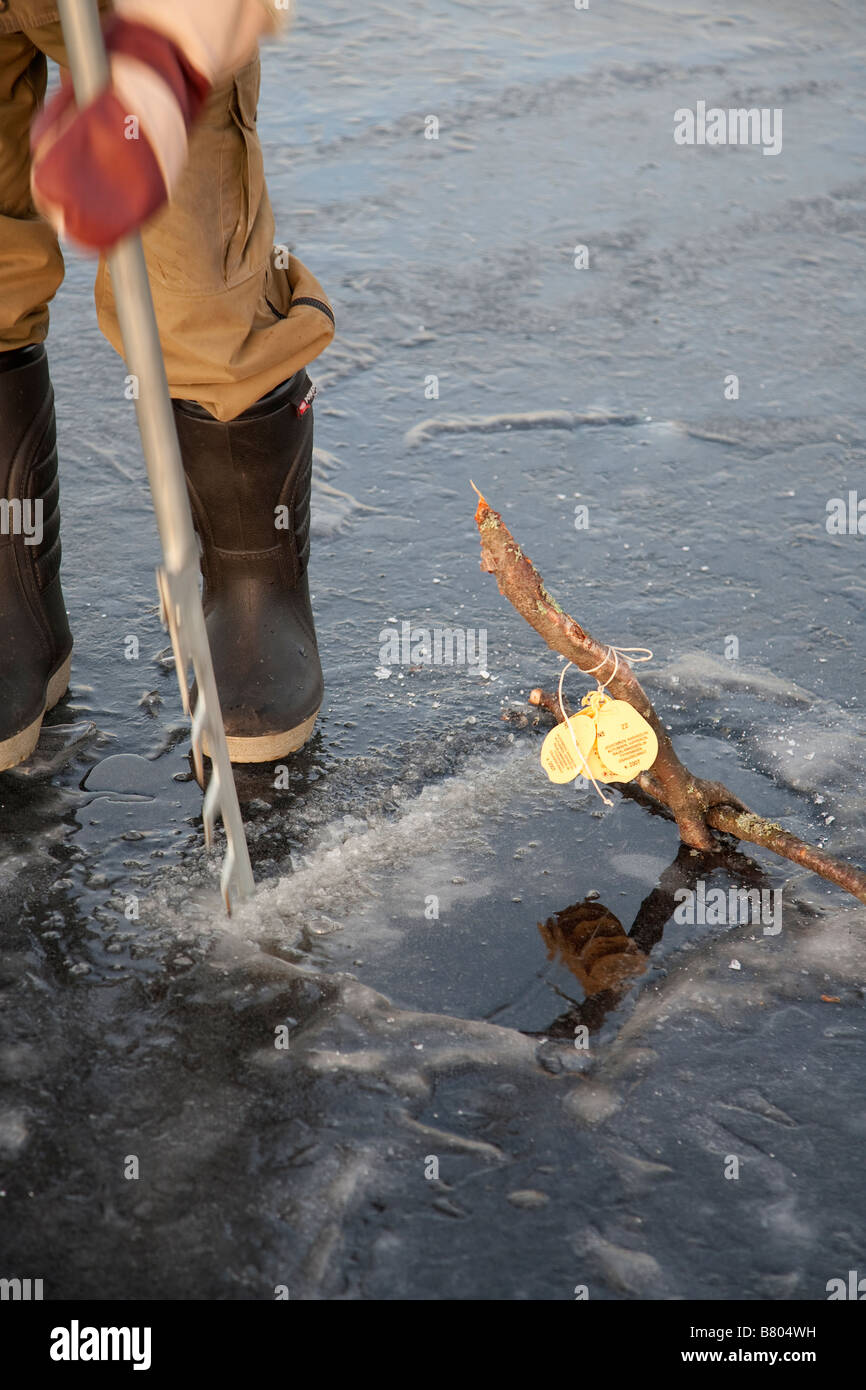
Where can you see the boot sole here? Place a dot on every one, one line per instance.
(267, 748)
(19, 747)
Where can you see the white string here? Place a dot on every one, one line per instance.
(617, 653)
(607, 801)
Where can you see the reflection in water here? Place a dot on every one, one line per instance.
(593, 944)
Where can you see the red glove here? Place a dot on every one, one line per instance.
(98, 174)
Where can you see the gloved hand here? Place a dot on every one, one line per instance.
(98, 174)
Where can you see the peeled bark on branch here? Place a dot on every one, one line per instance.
(698, 806)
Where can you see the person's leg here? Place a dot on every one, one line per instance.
(236, 316)
(35, 642)
(31, 266)
(239, 320)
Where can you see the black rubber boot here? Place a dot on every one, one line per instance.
(249, 484)
(35, 641)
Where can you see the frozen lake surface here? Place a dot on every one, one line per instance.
(411, 1036)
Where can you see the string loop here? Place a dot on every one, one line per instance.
(617, 652)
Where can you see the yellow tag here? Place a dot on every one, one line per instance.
(626, 743)
(616, 742)
(558, 757)
(597, 768)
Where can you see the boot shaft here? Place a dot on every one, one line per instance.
(35, 641)
(249, 482)
(29, 488)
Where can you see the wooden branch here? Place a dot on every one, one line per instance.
(544, 700)
(744, 824)
(698, 806)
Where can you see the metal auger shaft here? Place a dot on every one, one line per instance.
(178, 577)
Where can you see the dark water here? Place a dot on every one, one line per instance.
(412, 1036)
